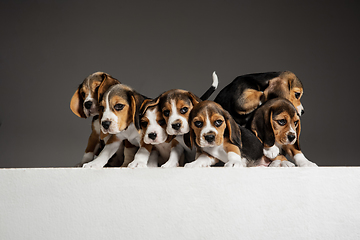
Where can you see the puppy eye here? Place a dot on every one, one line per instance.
(281, 122)
(184, 110)
(119, 107)
(166, 113)
(218, 123)
(198, 124)
(144, 124)
(162, 122)
(82, 94)
(297, 95)
(296, 123)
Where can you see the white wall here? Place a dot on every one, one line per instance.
(211, 203)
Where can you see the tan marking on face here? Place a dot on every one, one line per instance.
(281, 132)
(295, 98)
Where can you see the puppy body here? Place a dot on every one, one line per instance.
(277, 125)
(217, 137)
(247, 92)
(155, 145)
(84, 103)
(119, 117)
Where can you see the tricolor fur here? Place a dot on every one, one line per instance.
(277, 125)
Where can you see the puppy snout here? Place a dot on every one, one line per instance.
(152, 136)
(302, 112)
(106, 124)
(176, 126)
(291, 137)
(210, 138)
(88, 104)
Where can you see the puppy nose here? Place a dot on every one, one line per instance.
(106, 124)
(152, 136)
(210, 138)
(302, 112)
(88, 104)
(176, 126)
(291, 137)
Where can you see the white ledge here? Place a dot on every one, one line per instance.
(211, 203)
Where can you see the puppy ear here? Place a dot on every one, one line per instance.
(194, 99)
(148, 103)
(135, 104)
(189, 138)
(76, 104)
(106, 83)
(298, 130)
(232, 129)
(262, 126)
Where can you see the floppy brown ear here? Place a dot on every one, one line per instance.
(106, 83)
(194, 99)
(76, 104)
(297, 143)
(189, 138)
(232, 129)
(135, 108)
(262, 126)
(148, 103)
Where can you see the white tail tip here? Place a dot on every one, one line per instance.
(215, 80)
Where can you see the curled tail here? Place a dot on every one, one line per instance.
(212, 89)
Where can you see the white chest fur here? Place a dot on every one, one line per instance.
(217, 151)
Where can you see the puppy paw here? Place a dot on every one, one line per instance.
(137, 164)
(234, 164)
(307, 164)
(275, 163)
(302, 161)
(93, 165)
(286, 164)
(271, 152)
(200, 162)
(170, 164)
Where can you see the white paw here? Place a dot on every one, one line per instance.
(286, 164)
(271, 152)
(307, 164)
(137, 164)
(94, 165)
(275, 163)
(170, 164)
(202, 162)
(302, 161)
(234, 164)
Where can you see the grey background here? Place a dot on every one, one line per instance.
(48, 47)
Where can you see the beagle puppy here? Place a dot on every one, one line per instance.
(217, 137)
(119, 107)
(247, 92)
(277, 125)
(176, 106)
(155, 143)
(84, 104)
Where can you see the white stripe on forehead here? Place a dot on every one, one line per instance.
(208, 127)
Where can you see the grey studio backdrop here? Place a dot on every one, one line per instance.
(49, 47)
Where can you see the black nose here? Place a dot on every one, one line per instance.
(176, 126)
(106, 124)
(302, 112)
(152, 136)
(291, 137)
(210, 138)
(88, 104)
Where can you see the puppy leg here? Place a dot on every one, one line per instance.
(298, 157)
(153, 159)
(271, 152)
(248, 101)
(109, 150)
(91, 148)
(129, 153)
(281, 161)
(204, 160)
(175, 155)
(141, 157)
(235, 160)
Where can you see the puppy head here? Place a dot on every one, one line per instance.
(288, 86)
(152, 122)
(176, 106)
(119, 107)
(210, 123)
(277, 121)
(84, 102)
